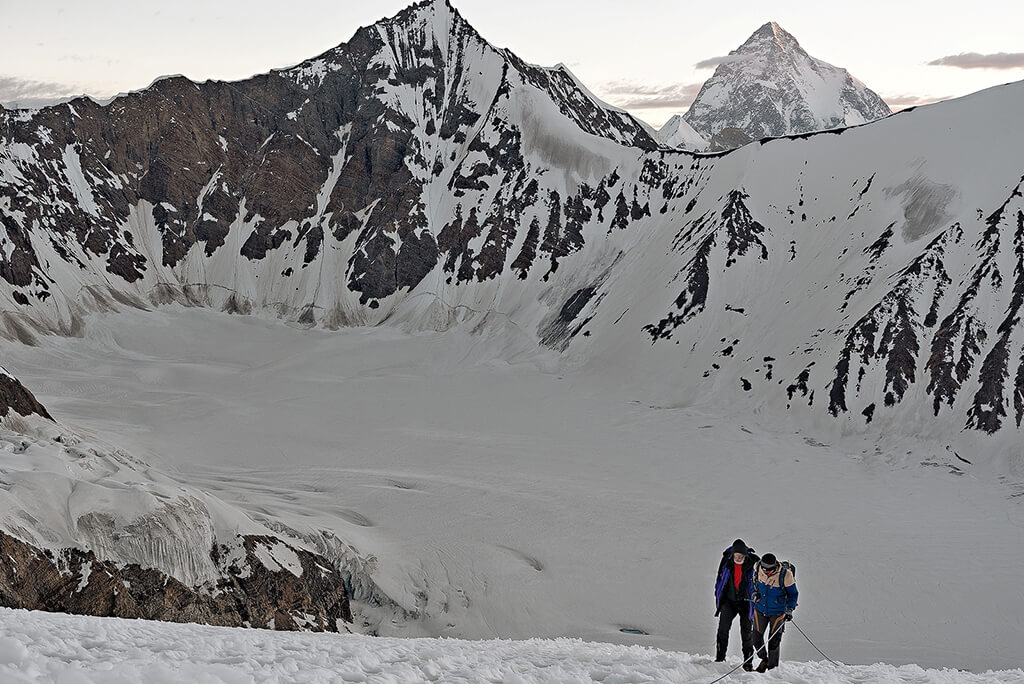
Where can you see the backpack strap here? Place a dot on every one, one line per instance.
(784, 567)
(726, 563)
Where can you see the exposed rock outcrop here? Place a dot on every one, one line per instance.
(298, 591)
(15, 397)
(729, 138)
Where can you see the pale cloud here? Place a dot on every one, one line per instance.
(633, 95)
(725, 59)
(908, 100)
(21, 92)
(975, 60)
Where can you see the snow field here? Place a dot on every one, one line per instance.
(489, 498)
(44, 647)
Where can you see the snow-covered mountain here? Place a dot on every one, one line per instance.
(416, 175)
(770, 87)
(677, 133)
(864, 281)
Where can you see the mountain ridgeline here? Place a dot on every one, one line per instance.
(866, 278)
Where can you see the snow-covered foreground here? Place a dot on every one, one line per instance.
(502, 495)
(62, 648)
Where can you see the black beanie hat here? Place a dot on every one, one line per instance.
(769, 561)
(739, 547)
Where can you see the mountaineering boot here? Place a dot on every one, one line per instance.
(748, 666)
(762, 666)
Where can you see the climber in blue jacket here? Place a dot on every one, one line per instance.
(772, 601)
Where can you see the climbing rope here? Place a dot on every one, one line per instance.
(730, 672)
(771, 634)
(815, 647)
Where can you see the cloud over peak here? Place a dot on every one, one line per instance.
(27, 93)
(975, 60)
(633, 95)
(713, 62)
(902, 101)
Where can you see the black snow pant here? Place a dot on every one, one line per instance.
(773, 625)
(729, 610)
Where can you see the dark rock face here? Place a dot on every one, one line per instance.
(303, 159)
(14, 397)
(742, 234)
(74, 581)
(560, 331)
(729, 138)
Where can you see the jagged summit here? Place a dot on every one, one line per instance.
(437, 19)
(770, 86)
(430, 46)
(770, 33)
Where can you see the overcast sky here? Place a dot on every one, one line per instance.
(641, 55)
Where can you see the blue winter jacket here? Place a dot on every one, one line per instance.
(772, 598)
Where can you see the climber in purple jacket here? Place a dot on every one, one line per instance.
(732, 591)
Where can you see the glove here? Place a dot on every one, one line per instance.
(789, 615)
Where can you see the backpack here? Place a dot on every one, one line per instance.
(783, 566)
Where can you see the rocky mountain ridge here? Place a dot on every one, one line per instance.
(420, 177)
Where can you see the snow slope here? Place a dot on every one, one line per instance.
(679, 134)
(489, 490)
(64, 490)
(37, 647)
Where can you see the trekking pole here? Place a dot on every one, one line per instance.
(815, 647)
